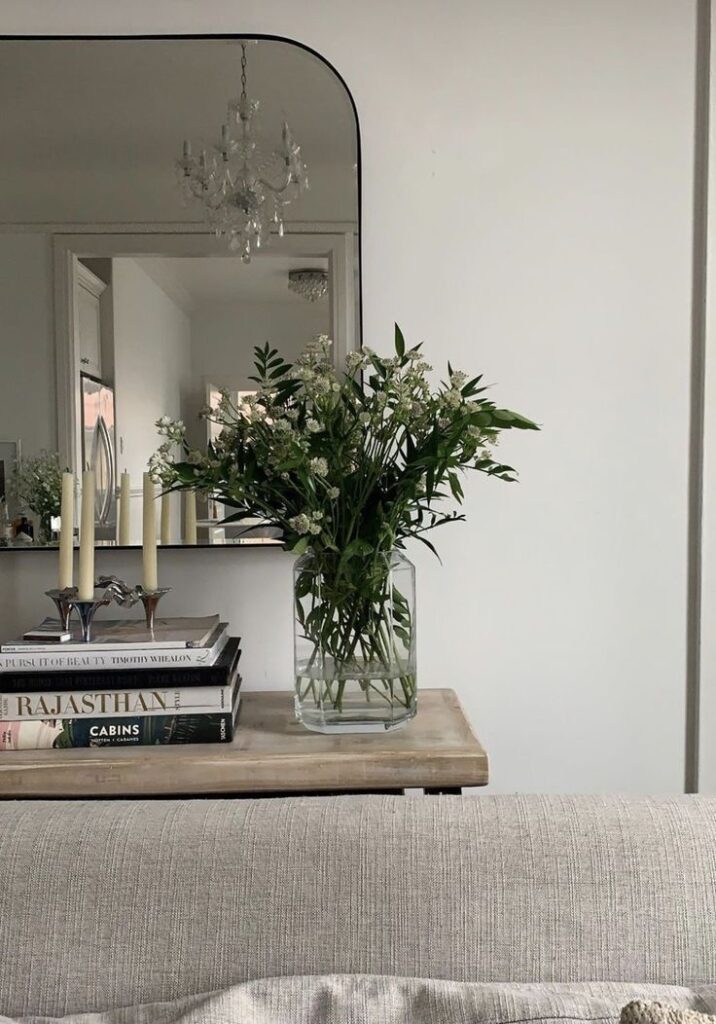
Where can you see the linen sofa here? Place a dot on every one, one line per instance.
(111, 903)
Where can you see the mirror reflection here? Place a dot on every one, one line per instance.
(165, 207)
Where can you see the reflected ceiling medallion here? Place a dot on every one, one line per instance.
(242, 187)
(311, 285)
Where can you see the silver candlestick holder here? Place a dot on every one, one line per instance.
(88, 609)
(63, 602)
(150, 599)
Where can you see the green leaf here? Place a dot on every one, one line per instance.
(300, 546)
(399, 342)
(428, 544)
(522, 423)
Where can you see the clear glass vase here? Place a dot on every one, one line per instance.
(354, 641)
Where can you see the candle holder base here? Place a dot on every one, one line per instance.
(63, 603)
(87, 611)
(150, 599)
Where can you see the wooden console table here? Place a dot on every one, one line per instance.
(272, 754)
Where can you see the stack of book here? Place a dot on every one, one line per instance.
(177, 684)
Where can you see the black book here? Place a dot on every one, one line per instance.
(157, 676)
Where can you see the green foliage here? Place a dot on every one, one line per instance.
(348, 466)
(353, 463)
(37, 484)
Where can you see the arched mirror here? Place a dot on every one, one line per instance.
(166, 204)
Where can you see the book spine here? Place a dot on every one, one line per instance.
(104, 703)
(111, 732)
(145, 677)
(75, 661)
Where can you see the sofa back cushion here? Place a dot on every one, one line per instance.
(111, 903)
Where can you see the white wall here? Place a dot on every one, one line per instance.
(224, 336)
(527, 211)
(27, 199)
(152, 366)
(27, 352)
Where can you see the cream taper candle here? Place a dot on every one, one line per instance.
(149, 535)
(190, 517)
(86, 584)
(67, 531)
(164, 528)
(125, 497)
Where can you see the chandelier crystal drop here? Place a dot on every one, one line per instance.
(311, 285)
(243, 189)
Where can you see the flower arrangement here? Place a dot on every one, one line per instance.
(37, 486)
(349, 466)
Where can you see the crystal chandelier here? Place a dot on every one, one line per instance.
(242, 188)
(311, 285)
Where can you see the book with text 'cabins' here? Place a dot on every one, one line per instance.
(145, 677)
(83, 657)
(126, 634)
(142, 730)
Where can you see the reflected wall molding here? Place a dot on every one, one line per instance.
(299, 227)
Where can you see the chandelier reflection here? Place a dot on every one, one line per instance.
(242, 188)
(311, 285)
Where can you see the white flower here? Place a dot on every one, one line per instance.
(452, 398)
(333, 493)
(364, 418)
(195, 458)
(313, 426)
(354, 361)
(301, 524)
(319, 466)
(458, 378)
(314, 528)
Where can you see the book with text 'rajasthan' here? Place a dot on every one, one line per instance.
(188, 700)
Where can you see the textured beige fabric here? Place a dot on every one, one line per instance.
(111, 903)
(641, 1012)
(362, 999)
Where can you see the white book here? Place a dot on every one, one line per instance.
(98, 703)
(128, 634)
(87, 657)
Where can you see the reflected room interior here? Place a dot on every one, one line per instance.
(202, 200)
